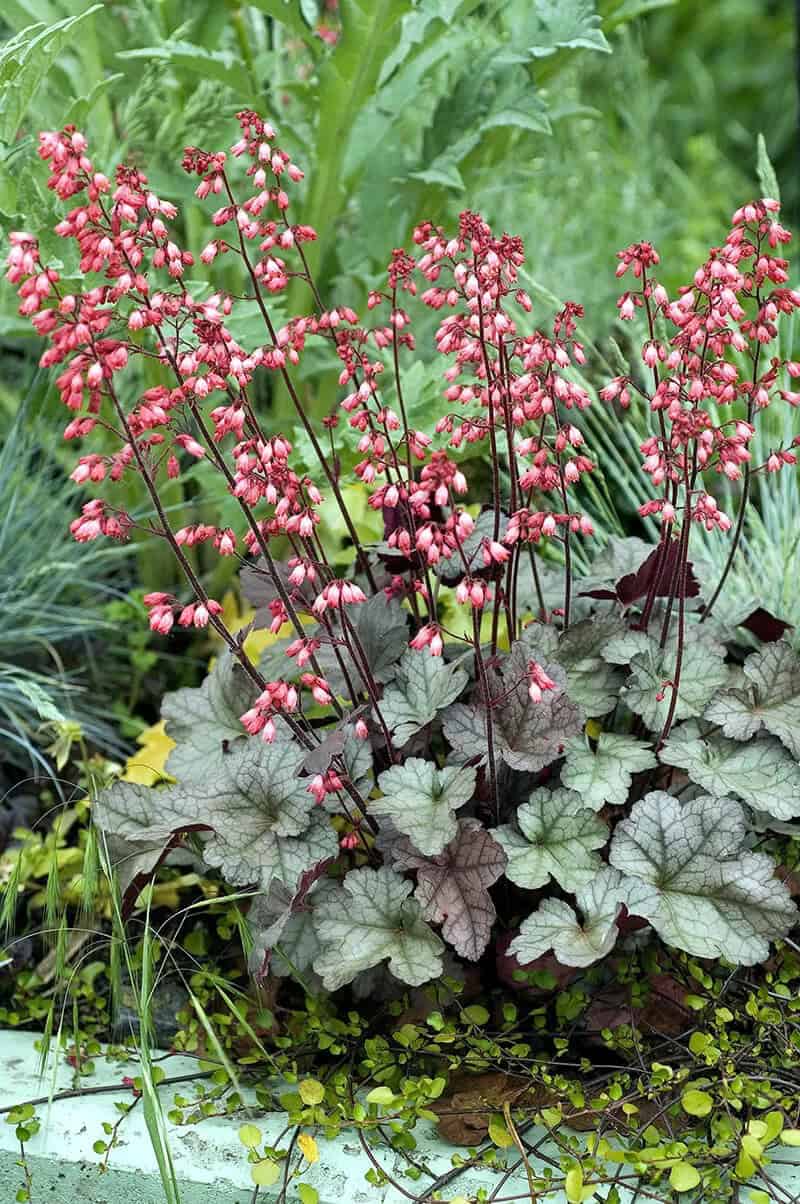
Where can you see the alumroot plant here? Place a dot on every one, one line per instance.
(446, 715)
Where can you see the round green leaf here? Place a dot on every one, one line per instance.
(499, 1133)
(683, 1176)
(250, 1136)
(265, 1173)
(311, 1091)
(697, 1103)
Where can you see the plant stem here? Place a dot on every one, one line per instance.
(327, 468)
(487, 702)
(745, 498)
(681, 574)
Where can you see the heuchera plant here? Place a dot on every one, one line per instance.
(455, 713)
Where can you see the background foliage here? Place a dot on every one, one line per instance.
(578, 134)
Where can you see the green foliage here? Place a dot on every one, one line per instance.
(52, 597)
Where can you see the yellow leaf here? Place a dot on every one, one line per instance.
(309, 1147)
(146, 767)
(573, 1185)
(773, 1123)
(745, 1167)
(752, 1147)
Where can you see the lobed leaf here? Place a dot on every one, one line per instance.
(371, 919)
(603, 777)
(769, 698)
(422, 686)
(690, 875)
(452, 887)
(761, 772)
(205, 721)
(422, 800)
(529, 735)
(557, 839)
(703, 673)
(255, 807)
(574, 942)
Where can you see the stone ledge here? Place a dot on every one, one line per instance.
(210, 1163)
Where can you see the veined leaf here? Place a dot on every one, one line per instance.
(703, 673)
(452, 887)
(770, 698)
(529, 735)
(759, 771)
(372, 919)
(687, 872)
(422, 800)
(604, 777)
(575, 942)
(423, 684)
(205, 721)
(592, 682)
(557, 839)
(254, 806)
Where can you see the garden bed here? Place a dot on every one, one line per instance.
(209, 1162)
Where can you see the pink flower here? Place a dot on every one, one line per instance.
(539, 682)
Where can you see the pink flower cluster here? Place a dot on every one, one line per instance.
(508, 387)
(712, 354)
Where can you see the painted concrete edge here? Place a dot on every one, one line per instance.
(209, 1161)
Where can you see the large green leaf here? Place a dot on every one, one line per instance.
(603, 777)
(769, 697)
(452, 887)
(26, 60)
(574, 941)
(422, 686)
(347, 79)
(689, 873)
(759, 771)
(422, 800)
(204, 722)
(255, 807)
(289, 13)
(222, 65)
(557, 839)
(372, 919)
(703, 673)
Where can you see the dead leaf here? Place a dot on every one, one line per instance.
(465, 1111)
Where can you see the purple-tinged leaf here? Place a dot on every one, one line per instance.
(452, 887)
(765, 626)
